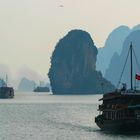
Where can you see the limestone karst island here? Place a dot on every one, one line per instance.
(73, 66)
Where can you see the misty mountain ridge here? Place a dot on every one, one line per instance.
(114, 44)
(23, 72)
(117, 61)
(26, 85)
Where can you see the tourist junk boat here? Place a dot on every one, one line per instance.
(5, 91)
(120, 110)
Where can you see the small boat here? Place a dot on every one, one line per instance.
(120, 109)
(5, 91)
(41, 89)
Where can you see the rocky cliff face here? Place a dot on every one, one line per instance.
(73, 66)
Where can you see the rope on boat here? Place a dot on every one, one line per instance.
(123, 69)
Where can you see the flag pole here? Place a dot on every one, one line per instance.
(135, 84)
(131, 66)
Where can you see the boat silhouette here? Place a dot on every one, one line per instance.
(5, 91)
(120, 109)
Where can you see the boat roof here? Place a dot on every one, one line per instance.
(119, 94)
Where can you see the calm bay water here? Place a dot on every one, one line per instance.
(37, 116)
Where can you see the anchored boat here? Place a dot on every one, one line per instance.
(5, 91)
(41, 89)
(120, 110)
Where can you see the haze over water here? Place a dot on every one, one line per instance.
(37, 116)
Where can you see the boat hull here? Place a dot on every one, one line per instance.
(124, 125)
(42, 89)
(6, 92)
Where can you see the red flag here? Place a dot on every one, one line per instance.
(137, 77)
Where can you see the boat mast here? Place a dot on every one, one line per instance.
(131, 66)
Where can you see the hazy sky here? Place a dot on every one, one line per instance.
(29, 29)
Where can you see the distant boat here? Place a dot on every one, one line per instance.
(120, 110)
(5, 91)
(41, 89)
